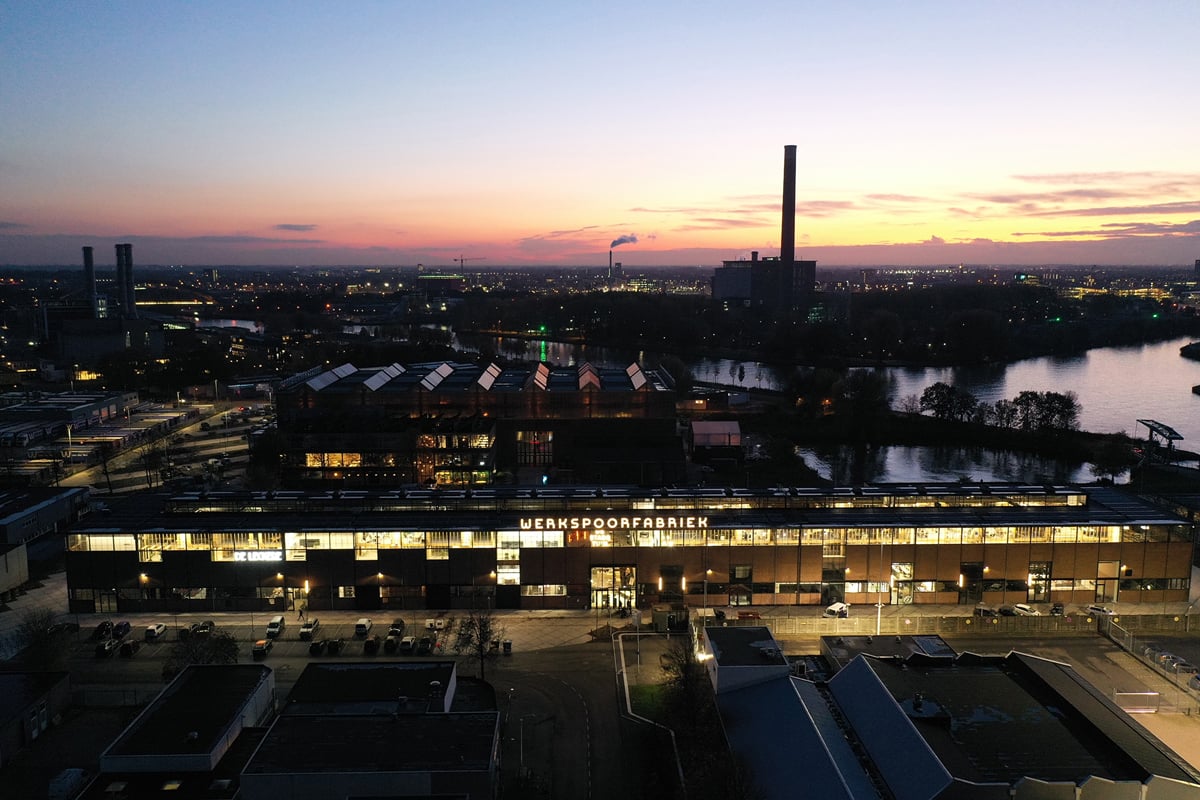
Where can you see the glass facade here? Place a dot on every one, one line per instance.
(583, 547)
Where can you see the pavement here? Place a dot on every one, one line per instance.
(637, 648)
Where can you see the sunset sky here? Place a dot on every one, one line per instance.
(399, 133)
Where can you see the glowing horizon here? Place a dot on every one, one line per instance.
(403, 134)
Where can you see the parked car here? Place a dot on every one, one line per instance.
(205, 628)
(63, 627)
(392, 643)
(397, 627)
(107, 647)
(1056, 609)
(407, 645)
(121, 629)
(986, 611)
(362, 627)
(1194, 683)
(129, 649)
(424, 646)
(1164, 658)
(335, 646)
(261, 649)
(309, 628)
(317, 648)
(1182, 667)
(371, 645)
(838, 610)
(1026, 610)
(1099, 610)
(1006, 611)
(155, 631)
(103, 630)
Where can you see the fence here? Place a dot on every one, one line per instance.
(113, 696)
(1161, 673)
(787, 626)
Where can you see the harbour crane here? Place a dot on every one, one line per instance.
(462, 260)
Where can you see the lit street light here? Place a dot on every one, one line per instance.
(707, 572)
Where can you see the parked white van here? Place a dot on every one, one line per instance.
(841, 610)
(275, 627)
(362, 627)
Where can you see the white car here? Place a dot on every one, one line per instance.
(1103, 611)
(1026, 610)
(155, 631)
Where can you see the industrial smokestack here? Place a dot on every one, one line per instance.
(787, 244)
(119, 297)
(130, 301)
(89, 279)
(610, 265)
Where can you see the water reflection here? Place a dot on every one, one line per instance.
(903, 464)
(1115, 386)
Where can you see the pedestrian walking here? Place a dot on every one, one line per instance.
(300, 616)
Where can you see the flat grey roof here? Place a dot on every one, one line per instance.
(315, 743)
(369, 687)
(994, 719)
(500, 507)
(203, 700)
(744, 646)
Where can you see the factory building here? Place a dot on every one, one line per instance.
(606, 547)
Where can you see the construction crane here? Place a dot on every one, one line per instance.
(462, 260)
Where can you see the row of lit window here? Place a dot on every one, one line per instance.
(832, 540)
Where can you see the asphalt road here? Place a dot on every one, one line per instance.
(189, 449)
(557, 696)
(556, 692)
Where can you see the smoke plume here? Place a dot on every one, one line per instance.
(620, 240)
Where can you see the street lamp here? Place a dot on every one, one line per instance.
(879, 592)
(707, 572)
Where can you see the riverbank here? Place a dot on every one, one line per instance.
(690, 354)
(1109, 454)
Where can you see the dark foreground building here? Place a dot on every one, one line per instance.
(608, 547)
(926, 722)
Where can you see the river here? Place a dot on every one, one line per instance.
(1115, 386)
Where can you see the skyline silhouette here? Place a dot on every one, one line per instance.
(406, 133)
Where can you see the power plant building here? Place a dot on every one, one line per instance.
(776, 285)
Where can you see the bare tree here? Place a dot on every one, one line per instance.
(151, 455)
(43, 647)
(218, 647)
(105, 453)
(478, 638)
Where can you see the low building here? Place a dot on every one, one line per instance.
(30, 702)
(377, 729)
(940, 725)
(715, 441)
(33, 516)
(14, 570)
(739, 656)
(193, 739)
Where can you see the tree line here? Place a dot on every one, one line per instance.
(1028, 412)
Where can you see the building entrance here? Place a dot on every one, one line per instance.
(614, 588)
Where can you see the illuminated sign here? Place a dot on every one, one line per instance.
(611, 523)
(257, 555)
